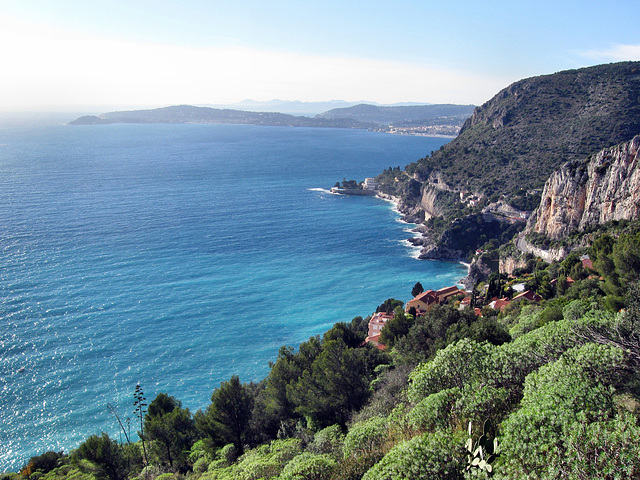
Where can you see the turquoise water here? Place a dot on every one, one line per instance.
(177, 256)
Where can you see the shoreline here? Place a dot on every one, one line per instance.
(418, 249)
(395, 202)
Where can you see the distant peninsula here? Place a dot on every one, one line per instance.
(410, 120)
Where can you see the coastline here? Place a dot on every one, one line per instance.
(420, 243)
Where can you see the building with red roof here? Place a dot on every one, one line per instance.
(426, 300)
(528, 295)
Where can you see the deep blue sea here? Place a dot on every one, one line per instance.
(177, 256)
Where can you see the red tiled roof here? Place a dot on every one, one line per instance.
(381, 317)
(448, 290)
(374, 338)
(501, 303)
(427, 297)
(427, 294)
(587, 263)
(529, 295)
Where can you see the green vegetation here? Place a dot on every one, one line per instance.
(350, 184)
(535, 390)
(539, 390)
(514, 141)
(509, 147)
(403, 115)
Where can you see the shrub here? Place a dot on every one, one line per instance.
(486, 402)
(328, 441)
(439, 455)
(455, 366)
(309, 466)
(353, 468)
(106, 454)
(44, 463)
(435, 411)
(558, 398)
(266, 461)
(365, 436)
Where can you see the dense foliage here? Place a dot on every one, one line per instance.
(546, 390)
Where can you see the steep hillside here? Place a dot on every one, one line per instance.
(591, 192)
(506, 152)
(519, 137)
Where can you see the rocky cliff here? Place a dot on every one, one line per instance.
(429, 202)
(506, 152)
(514, 141)
(602, 188)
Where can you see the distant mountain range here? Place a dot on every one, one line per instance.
(403, 116)
(424, 119)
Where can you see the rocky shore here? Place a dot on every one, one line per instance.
(423, 239)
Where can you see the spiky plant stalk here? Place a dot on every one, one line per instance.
(112, 409)
(139, 411)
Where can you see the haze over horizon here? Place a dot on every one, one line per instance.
(87, 56)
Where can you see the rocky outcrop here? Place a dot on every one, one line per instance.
(603, 188)
(548, 255)
(509, 264)
(429, 201)
(432, 251)
(479, 271)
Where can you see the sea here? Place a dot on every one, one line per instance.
(176, 256)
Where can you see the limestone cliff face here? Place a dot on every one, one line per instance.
(429, 202)
(582, 193)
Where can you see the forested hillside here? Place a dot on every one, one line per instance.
(519, 137)
(496, 168)
(403, 115)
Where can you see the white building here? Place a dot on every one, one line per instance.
(370, 184)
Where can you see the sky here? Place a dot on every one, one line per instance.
(100, 55)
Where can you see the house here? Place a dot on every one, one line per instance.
(586, 262)
(377, 321)
(465, 302)
(570, 281)
(423, 302)
(500, 304)
(370, 184)
(375, 341)
(446, 293)
(426, 300)
(528, 295)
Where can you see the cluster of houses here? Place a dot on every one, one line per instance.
(422, 303)
(501, 303)
(419, 305)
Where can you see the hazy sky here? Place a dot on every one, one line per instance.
(61, 54)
